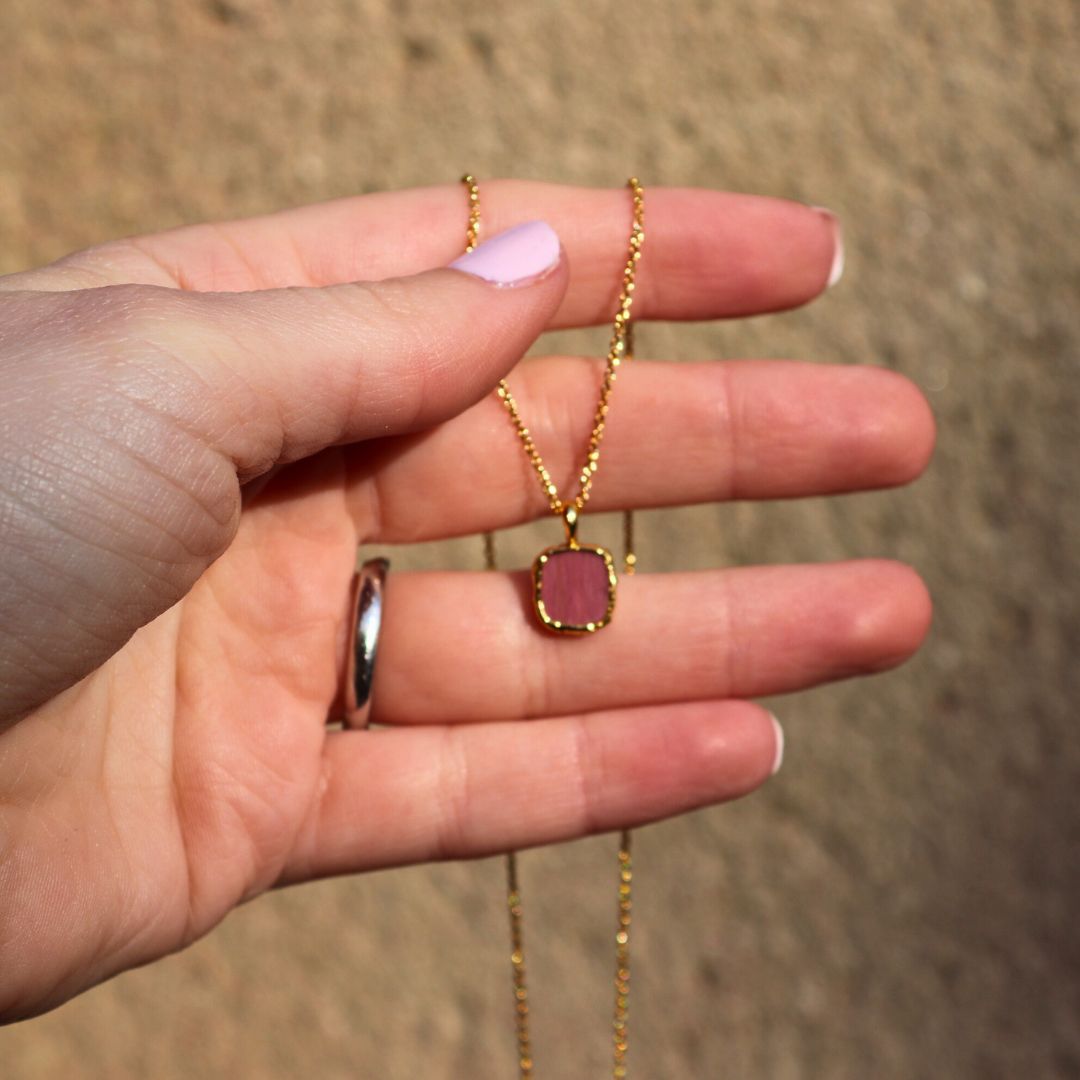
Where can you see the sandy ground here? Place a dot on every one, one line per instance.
(899, 903)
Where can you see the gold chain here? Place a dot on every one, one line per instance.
(472, 232)
(517, 965)
(617, 348)
(621, 348)
(629, 547)
(622, 959)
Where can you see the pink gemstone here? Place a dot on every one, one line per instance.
(575, 587)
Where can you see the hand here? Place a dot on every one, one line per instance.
(198, 428)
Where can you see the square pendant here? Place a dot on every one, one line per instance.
(574, 588)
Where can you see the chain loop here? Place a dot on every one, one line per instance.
(621, 348)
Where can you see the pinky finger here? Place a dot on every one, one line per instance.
(415, 794)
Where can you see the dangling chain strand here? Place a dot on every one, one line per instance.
(621, 348)
(517, 963)
(622, 959)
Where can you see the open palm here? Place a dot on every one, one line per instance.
(205, 424)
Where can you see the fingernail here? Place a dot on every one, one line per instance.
(836, 271)
(778, 760)
(515, 257)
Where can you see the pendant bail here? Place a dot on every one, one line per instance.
(570, 520)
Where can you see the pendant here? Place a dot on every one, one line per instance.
(574, 584)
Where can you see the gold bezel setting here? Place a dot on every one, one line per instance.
(555, 625)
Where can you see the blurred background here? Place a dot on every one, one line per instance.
(900, 901)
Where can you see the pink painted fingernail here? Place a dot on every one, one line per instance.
(517, 256)
(778, 760)
(836, 271)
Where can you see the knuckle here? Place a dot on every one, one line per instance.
(121, 311)
(452, 830)
(585, 777)
(399, 319)
(393, 298)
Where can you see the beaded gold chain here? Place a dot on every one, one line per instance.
(620, 349)
(617, 349)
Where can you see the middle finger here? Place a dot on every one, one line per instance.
(681, 433)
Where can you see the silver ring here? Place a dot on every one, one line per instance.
(365, 620)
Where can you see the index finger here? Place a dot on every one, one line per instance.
(708, 254)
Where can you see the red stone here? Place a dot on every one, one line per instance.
(575, 587)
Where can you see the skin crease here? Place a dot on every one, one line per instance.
(199, 427)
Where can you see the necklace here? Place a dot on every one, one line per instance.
(574, 593)
(574, 584)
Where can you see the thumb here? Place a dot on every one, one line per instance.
(295, 370)
(130, 412)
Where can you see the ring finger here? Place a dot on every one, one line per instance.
(746, 632)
